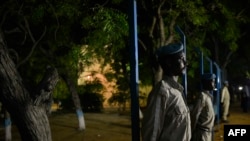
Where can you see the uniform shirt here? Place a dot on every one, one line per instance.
(202, 115)
(166, 117)
(225, 96)
(246, 89)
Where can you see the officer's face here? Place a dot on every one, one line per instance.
(213, 84)
(209, 84)
(179, 64)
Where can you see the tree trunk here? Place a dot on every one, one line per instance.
(158, 35)
(75, 97)
(7, 126)
(29, 112)
(32, 122)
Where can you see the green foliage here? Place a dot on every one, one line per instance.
(91, 99)
(233, 46)
(102, 29)
(109, 21)
(68, 9)
(109, 27)
(195, 12)
(91, 87)
(67, 60)
(117, 1)
(92, 102)
(38, 14)
(192, 69)
(118, 98)
(61, 91)
(247, 74)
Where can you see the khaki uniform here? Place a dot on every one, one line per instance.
(225, 99)
(202, 118)
(166, 117)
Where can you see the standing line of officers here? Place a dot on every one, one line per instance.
(167, 116)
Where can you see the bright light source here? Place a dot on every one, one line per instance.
(240, 88)
(89, 77)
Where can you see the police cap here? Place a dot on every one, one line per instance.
(170, 49)
(208, 76)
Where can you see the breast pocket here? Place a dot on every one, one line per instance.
(181, 109)
(181, 115)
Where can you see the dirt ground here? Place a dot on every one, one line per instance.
(110, 126)
(237, 116)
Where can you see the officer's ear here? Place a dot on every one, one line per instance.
(169, 64)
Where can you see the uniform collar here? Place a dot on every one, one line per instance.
(173, 83)
(208, 93)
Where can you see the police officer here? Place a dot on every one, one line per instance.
(245, 97)
(225, 101)
(202, 115)
(167, 117)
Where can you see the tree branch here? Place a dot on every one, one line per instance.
(27, 27)
(3, 18)
(57, 21)
(43, 93)
(152, 27)
(171, 30)
(227, 61)
(33, 48)
(142, 44)
(161, 23)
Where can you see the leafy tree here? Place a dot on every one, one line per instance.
(201, 21)
(53, 32)
(212, 26)
(91, 97)
(35, 33)
(28, 109)
(108, 41)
